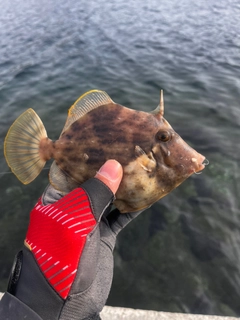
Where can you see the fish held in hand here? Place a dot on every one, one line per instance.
(154, 157)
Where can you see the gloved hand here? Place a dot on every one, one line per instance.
(65, 269)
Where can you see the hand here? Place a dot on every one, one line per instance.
(65, 270)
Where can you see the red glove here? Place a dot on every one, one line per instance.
(65, 270)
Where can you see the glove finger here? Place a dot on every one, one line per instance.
(117, 220)
(100, 196)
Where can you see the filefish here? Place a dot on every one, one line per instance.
(154, 157)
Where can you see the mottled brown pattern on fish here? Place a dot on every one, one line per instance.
(109, 132)
(112, 132)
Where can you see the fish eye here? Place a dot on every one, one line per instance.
(163, 136)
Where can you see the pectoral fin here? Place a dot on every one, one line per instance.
(146, 161)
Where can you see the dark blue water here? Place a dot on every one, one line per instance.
(182, 254)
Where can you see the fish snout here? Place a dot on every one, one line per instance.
(198, 162)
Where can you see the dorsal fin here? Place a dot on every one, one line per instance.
(87, 102)
(159, 111)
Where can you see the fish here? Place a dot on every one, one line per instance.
(155, 159)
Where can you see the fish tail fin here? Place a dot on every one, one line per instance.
(21, 146)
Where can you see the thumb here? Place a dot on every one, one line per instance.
(111, 174)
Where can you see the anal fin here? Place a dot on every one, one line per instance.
(60, 180)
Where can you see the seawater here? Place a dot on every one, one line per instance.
(182, 254)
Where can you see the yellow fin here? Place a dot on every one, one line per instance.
(60, 180)
(21, 146)
(87, 102)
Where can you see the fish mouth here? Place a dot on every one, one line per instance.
(201, 166)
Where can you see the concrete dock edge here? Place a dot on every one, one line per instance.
(117, 313)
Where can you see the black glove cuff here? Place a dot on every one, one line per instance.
(30, 287)
(15, 273)
(117, 220)
(12, 308)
